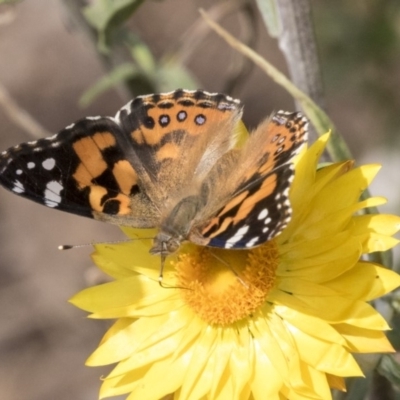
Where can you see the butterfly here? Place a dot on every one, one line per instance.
(169, 161)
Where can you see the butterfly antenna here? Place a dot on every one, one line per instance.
(230, 267)
(76, 246)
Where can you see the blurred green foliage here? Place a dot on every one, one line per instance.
(359, 44)
(141, 72)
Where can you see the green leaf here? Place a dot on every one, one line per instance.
(389, 367)
(122, 73)
(107, 15)
(269, 12)
(172, 75)
(142, 55)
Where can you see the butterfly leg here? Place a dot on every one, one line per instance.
(161, 275)
(230, 267)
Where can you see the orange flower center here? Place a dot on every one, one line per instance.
(225, 286)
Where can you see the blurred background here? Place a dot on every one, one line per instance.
(48, 61)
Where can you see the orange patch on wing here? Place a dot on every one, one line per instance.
(266, 189)
(153, 136)
(246, 205)
(104, 139)
(226, 220)
(225, 223)
(234, 202)
(98, 192)
(169, 150)
(92, 165)
(95, 196)
(137, 136)
(124, 204)
(125, 176)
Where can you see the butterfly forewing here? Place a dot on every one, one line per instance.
(81, 170)
(175, 138)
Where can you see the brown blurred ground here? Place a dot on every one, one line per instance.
(46, 63)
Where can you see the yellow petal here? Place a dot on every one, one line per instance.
(156, 307)
(333, 309)
(156, 346)
(124, 334)
(323, 356)
(308, 248)
(315, 385)
(198, 379)
(310, 325)
(240, 363)
(385, 281)
(379, 242)
(222, 355)
(133, 291)
(262, 370)
(360, 340)
(346, 189)
(298, 286)
(365, 281)
(265, 339)
(331, 172)
(119, 260)
(304, 179)
(336, 382)
(383, 224)
(322, 267)
(118, 386)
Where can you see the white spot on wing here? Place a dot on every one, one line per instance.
(263, 214)
(52, 196)
(70, 126)
(51, 137)
(49, 164)
(18, 187)
(93, 118)
(30, 165)
(127, 108)
(237, 236)
(113, 119)
(252, 242)
(18, 171)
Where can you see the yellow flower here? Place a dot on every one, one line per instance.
(276, 322)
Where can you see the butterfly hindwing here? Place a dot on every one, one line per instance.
(259, 207)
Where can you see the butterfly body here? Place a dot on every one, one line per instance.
(169, 161)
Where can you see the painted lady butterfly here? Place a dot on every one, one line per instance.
(169, 161)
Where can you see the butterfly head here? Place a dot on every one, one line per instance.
(165, 244)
